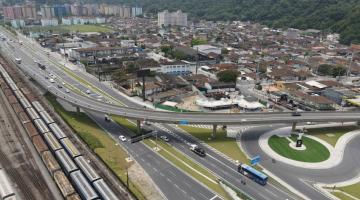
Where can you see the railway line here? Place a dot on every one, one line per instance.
(66, 154)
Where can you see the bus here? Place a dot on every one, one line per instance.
(253, 174)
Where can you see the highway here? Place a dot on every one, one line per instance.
(91, 102)
(28, 55)
(174, 183)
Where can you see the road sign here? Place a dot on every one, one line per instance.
(183, 122)
(255, 160)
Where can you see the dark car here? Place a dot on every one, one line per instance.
(296, 114)
(199, 151)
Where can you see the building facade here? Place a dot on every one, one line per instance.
(167, 18)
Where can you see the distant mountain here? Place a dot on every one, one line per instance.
(341, 16)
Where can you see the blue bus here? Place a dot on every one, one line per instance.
(253, 174)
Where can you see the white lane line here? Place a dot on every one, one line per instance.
(275, 195)
(214, 197)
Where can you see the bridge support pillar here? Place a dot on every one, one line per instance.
(213, 134)
(293, 128)
(138, 124)
(77, 109)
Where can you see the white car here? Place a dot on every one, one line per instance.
(122, 138)
(88, 92)
(52, 80)
(67, 90)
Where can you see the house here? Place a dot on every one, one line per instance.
(86, 53)
(176, 68)
(221, 87)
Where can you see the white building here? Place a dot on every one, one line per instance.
(17, 23)
(127, 43)
(167, 18)
(100, 20)
(206, 49)
(136, 11)
(67, 21)
(49, 22)
(175, 68)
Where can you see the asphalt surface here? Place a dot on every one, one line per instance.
(218, 165)
(30, 52)
(300, 178)
(173, 183)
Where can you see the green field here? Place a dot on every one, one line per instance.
(315, 152)
(353, 190)
(70, 28)
(101, 143)
(125, 123)
(330, 134)
(227, 146)
(341, 196)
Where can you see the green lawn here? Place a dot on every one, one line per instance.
(187, 165)
(315, 152)
(125, 123)
(227, 146)
(330, 134)
(341, 196)
(101, 143)
(353, 190)
(70, 28)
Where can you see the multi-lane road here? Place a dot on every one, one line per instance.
(222, 167)
(30, 52)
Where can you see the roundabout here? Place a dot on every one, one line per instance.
(311, 150)
(316, 153)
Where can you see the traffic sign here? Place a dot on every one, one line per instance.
(255, 160)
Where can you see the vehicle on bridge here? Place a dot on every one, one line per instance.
(253, 174)
(199, 151)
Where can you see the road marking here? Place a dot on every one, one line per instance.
(271, 192)
(214, 197)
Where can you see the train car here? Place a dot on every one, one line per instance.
(31, 129)
(6, 189)
(52, 141)
(70, 148)
(25, 103)
(32, 113)
(87, 169)
(19, 94)
(46, 117)
(63, 184)
(57, 131)
(104, 190)
(39, 144)
(41, 126)
(65, 161)
(73, 197)
(38, 107)
(83, 186)
(13, 86)
(50, 162)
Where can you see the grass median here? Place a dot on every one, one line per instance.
(102, 144)
(221, 142)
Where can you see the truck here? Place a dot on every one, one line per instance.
(18, 60)
(198, 150)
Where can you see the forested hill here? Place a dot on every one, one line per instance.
(341, 16)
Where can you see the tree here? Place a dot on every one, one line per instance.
(119, 76)
(228, 76)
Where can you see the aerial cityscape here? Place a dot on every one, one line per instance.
(180, 100)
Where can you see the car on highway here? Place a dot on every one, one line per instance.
(67, 90)
(52, 80)
(296, 114)
(59, 86)
(122, 138)
(88, 92)
(166, 139)
(198, 150)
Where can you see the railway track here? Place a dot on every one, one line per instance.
(18, 161)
